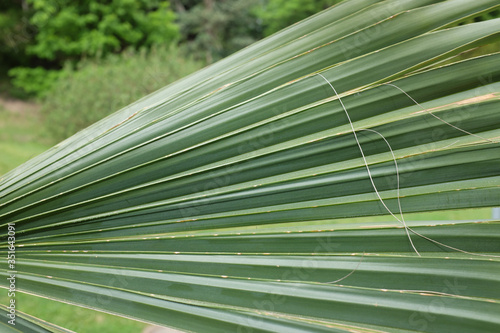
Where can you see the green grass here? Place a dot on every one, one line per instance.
(15, 153)
(75, 318)
(21, 138)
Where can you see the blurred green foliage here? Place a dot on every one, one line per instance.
(36, 81)
(40, 37)
(279, 14)
(99, 87)
(14, 37)
(214, 29)
(74, 29)
(88, 58)
(58, 32)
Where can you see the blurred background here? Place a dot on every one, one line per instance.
(65, 64)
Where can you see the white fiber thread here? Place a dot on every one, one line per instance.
(397, 174)
(402, 221)
(440, 119)
(349, 274)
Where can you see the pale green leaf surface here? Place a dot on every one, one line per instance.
(213, 205)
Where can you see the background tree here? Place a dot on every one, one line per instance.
(15, 35)
(214, 29)
(278, 14)
(71, 30)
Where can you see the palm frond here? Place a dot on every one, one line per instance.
(219, 202)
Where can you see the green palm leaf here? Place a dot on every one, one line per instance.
(218, 203)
